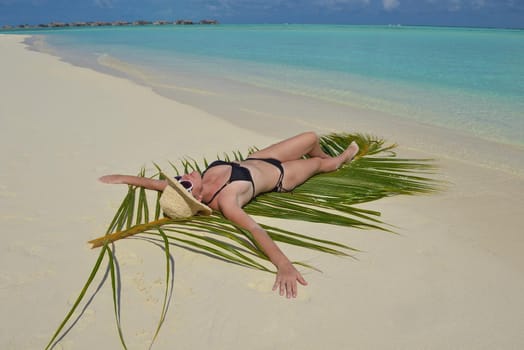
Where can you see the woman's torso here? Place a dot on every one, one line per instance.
(217, 177)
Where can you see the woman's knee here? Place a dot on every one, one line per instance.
(311, 136)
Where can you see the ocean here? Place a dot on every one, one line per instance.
(467, 79)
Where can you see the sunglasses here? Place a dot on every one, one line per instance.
(188, 185)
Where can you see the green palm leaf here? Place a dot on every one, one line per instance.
(375, 173)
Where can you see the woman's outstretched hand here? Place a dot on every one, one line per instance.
(286, 280)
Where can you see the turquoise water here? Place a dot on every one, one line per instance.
(471, 80)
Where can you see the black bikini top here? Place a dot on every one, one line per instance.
(238, 173)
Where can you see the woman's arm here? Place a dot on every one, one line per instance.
(150, 184)
(287, 275)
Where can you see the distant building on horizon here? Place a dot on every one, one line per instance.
(209, 21)
(104, 24)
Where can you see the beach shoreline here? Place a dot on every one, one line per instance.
(450, 278)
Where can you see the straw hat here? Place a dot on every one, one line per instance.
(178, 203)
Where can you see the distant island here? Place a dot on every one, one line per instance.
(107, 24)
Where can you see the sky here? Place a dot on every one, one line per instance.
(470, 13)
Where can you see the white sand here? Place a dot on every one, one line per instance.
(452, 279)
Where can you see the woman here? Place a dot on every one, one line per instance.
(228, 186)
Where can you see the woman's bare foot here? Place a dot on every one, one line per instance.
(112, 179)
(351, 152)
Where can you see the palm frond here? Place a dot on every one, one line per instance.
(330, 198)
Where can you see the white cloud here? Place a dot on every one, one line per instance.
(455, 5)
(105, 4)
(333, 3)
(461, 5)
(477, 4)
(390, 4)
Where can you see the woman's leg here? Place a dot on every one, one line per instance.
(150, 184)
(298, 171)
(293, 148)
